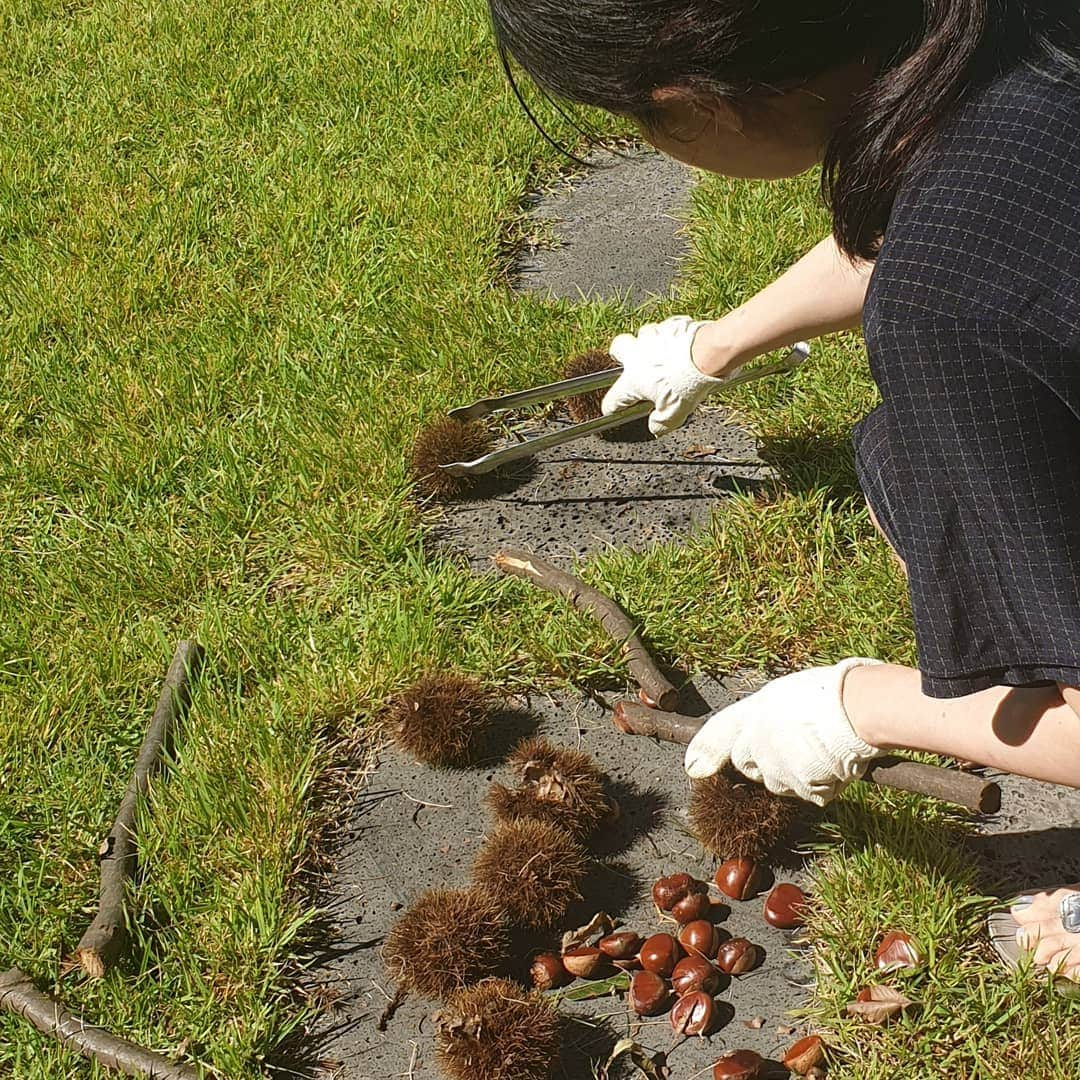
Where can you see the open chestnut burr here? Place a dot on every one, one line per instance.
(556, 785)
(497, 1031)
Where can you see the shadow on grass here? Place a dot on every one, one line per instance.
(814, 461)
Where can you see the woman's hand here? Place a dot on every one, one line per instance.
(793, 736)
(676, 363)
(658, 366)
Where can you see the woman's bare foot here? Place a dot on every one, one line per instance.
(1042, 930)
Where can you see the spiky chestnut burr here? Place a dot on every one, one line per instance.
(532, 870)
(447, 940)
(586, 406)
(440, 443)
(734, 818)
(497, 1031)
(441, 719)
(560, 787)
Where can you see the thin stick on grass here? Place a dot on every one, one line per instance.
(950, 785)
(106, 938)
(611, 617)
(20, 996)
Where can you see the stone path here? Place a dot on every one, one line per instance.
(617, 227)
(602, 492)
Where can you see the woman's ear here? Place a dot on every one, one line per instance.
(688, 110)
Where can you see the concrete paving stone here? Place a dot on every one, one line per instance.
(633, 491)
(618, 231)
(1034, 841)
(415, 828)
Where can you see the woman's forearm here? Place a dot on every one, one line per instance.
(1028, 731)
(822, 293)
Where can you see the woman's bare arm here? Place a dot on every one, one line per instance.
(1028, 731)
(822, 293)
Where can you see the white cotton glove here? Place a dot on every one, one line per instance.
(658, 367)
(793, 736)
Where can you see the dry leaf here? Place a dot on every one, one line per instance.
(755, 1024)
(651, 1067)
(600, 925)
(698, 450)
(878, 1004)
(785, 1029)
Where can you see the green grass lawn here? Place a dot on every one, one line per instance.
(247, 250)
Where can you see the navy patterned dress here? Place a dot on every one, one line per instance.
(972, 323)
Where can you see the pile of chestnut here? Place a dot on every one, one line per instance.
(680, 973)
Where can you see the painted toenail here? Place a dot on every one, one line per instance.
(1022, 902)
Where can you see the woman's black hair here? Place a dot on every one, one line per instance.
(927, 55)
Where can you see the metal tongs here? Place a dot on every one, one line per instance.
(556, 391)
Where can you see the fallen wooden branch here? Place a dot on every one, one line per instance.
(20, 996)
(951, 785)
(655, 689)
(106, 938)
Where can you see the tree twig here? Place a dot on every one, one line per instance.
(951, 785)
(20, 996)
(656, 690)
(106, 937)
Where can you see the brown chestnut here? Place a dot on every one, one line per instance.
(622, 945)
(897, 951)
(692, 974)
(805, 1055)
(737, 956)
(691, 908)
(649, 993)
(669, 890)
(547, 972)
(740, 879)
(738, 1065)
(700, 938)
(659, 954)
(785, 907)
(585, 963)
(694, 1014)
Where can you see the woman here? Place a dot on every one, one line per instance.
(949, 134)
